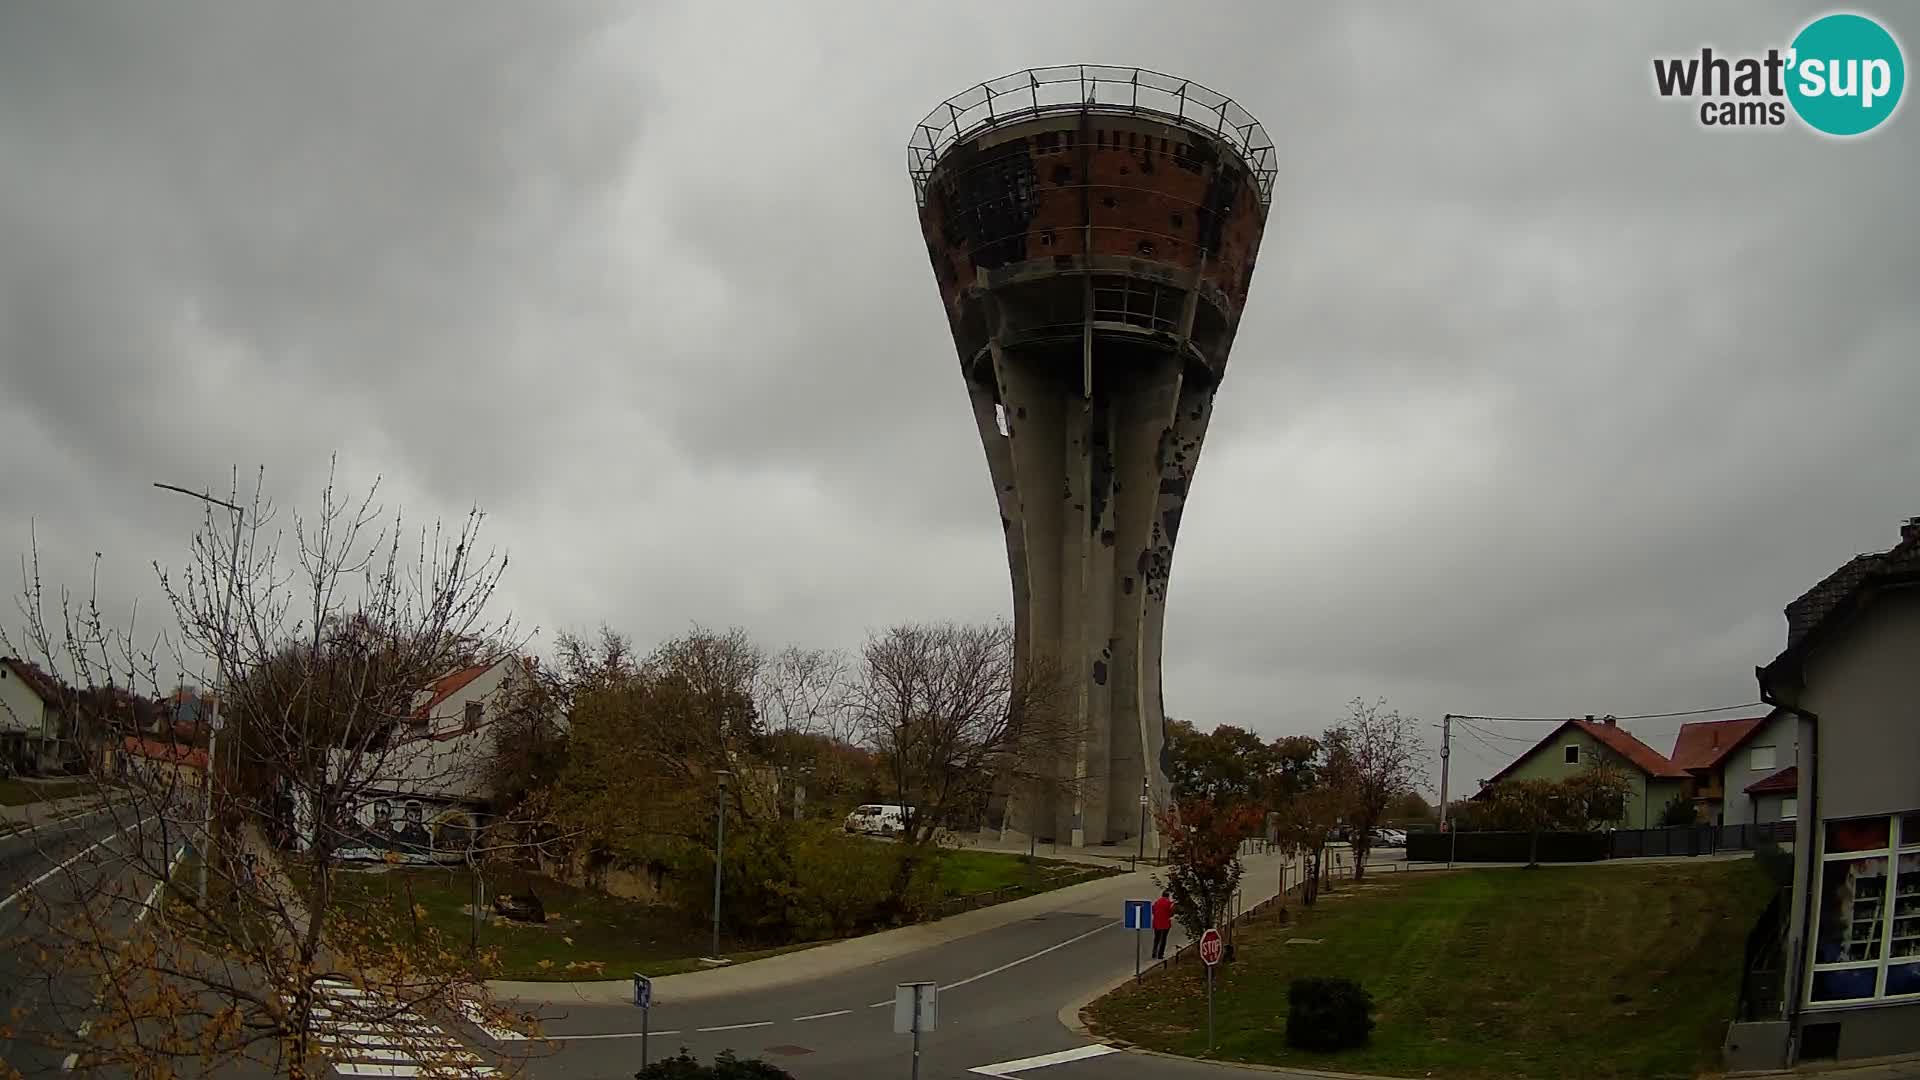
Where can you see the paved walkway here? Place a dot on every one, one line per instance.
(38, 813)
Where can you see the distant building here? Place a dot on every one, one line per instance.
(1726, 758)
(424, 793)
(31, 728)
(1578, 745)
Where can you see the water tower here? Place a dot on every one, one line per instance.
(1093, 232)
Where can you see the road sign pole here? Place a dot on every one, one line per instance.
(644, 1034)
(1136, 956)
(1209, 1008)
(916, 1037)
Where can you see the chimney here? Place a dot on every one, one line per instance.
(1910, 529)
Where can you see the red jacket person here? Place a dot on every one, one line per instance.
(1162, 923)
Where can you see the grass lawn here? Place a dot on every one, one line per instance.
(20, 792)
(590, 935)
(1563, 971)
(968, 873)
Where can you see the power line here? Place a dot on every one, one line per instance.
(1497, 735)
(1591, 716)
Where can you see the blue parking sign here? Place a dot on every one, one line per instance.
(1139, 914)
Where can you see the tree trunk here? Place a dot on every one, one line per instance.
(1533, 848)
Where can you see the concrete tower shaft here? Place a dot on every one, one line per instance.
(1093, 231)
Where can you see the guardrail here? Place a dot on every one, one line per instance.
(1068, 88)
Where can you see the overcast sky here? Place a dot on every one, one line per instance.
(1546, 400)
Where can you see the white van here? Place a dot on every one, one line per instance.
(879, 819)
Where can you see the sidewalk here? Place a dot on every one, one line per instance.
(40, 813)
(1100, 896)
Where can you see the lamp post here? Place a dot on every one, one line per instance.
(214, 722)
(719, 852)
(1143, 824)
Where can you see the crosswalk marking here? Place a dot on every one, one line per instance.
(398, 1042)
(1005, 1069)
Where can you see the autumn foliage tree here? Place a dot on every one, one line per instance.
(1203, 858)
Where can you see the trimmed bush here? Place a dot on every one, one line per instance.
(1507, 846)
(1328, 1014)
(684, 1066)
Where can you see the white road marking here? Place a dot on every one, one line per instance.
(1078, 1053)
(822, 1016)
(613, 1035)
(472, 1011)
(28, 887)
(400, 1043)
(1024, 959)
(737, 1027)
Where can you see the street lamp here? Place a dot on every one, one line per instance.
(214, 722)
(1143, 824)
(719, 852)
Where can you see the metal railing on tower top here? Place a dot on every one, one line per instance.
(1068, 88)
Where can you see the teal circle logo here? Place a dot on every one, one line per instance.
(1846, 74)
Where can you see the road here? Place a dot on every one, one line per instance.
(44, 874)
(1001, 995)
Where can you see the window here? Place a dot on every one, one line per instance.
(382, 812)
(1866, 942)
(1572, 753)
(1760, 758)
(1789, 808)
(414, 813)
(473, 715)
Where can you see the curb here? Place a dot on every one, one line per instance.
(1249, 1066)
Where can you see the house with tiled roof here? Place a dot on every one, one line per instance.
(31, 727)
(426, 788)
(1725, 757)
(1577, 745)
(1850, 678)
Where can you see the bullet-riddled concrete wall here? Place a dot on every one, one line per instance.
(1093, 268)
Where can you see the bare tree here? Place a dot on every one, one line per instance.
(950, 713)
(805, 691)
(327, 632)
(1374, 758)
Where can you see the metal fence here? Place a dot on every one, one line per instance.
(1067, 88)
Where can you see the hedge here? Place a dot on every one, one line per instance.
(1506, 847)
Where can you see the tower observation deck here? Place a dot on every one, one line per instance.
(1092, 231)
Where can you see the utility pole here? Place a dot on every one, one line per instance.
(719, 854)
(215, 722)
(1446, 760)
(1143, 824)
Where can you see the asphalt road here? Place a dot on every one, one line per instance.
(1001, 992)
(45, 873)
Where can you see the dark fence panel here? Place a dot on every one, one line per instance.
(1505, 847)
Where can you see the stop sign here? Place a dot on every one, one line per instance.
(1210, 947)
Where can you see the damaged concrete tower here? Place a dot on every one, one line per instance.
(1093, 232)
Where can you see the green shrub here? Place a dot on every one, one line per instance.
(684, 1066)
(1328, 1014)
(795, 881)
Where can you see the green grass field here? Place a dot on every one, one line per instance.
(590, 935)
(1563, 971)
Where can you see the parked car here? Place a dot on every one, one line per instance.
(877, 819)
(1390, 838)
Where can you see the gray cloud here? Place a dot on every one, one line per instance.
(1547, 399)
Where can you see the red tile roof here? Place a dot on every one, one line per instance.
(450, 684)
(1785, 781)
(1638, 754)
(1703, 744)
(155, 750)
